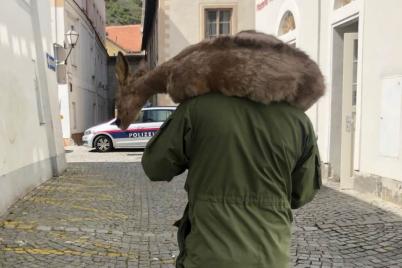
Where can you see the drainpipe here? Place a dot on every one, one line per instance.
(318, 56)
(55, 21)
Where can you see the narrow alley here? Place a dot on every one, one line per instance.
(103, 212)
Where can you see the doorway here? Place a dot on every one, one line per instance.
(345, 62)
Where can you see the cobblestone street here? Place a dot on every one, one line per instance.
(103, 212)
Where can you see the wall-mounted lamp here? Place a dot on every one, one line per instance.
(72, 38)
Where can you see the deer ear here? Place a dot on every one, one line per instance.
(122, 68)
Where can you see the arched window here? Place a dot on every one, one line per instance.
(287, 23)
(341, 3)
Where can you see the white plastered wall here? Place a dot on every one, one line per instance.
(30, 132)
(311, 35)
(381, 58)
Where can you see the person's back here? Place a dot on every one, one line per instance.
(249, 164)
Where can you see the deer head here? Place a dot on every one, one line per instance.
(132, 93)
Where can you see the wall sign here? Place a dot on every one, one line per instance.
(51, 63)
(263, 4)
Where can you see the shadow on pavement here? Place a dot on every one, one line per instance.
(118, 150)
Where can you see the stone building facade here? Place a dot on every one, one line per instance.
(172, 25)
(82, 82)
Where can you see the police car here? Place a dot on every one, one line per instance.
(108, 136)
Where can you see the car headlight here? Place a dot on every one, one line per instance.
(88, 132)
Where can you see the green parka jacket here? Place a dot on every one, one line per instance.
(248, 165)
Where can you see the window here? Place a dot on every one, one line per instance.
(217, 22)
(100, 112)
(341, 3)
(150, 116)
(74, 111)
(94, 112)
(355, 62)
(287, 23)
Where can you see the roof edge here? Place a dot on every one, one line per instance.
(122, 26)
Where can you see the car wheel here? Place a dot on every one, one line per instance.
(103, 144)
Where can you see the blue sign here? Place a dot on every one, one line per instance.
(51, 63)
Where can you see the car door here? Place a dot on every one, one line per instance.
(146, 126)
(120, 137)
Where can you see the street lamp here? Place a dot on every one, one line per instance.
(72, 38)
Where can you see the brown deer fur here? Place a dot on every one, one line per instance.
(250, 64)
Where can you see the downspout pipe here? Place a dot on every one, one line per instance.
(318, 58)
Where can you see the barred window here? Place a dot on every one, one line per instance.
(217, 22)
(287, 23)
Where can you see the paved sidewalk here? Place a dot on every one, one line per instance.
(103, 212)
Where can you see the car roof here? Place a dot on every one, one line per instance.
(160, 108)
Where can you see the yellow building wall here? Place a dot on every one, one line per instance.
(113, 49)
